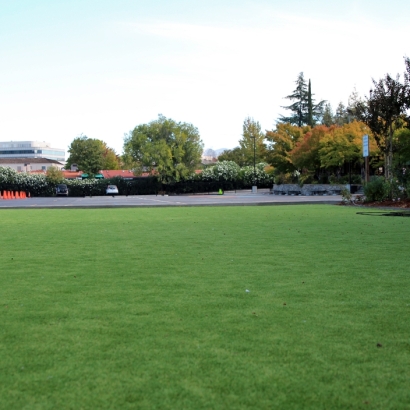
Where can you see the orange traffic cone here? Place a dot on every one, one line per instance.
(17, 195)
(23, 195)
(7, 195)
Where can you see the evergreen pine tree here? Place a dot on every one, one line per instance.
(327, 117)
(310, 106)
(304, 110)
(298, 108)
(341, 116)
(352, 102)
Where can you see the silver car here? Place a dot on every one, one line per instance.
(112, 190)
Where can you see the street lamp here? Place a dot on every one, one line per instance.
(254, 187)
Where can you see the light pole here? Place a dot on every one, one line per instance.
(254, 187)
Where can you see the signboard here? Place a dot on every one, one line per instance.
(365, 145)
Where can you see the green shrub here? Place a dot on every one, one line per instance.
(279, 179)
(356, 179)
(346, 195)
(334, 179)
(221, 171)
(377, 189)
(247, 175)
(396, 190)
(306, 177)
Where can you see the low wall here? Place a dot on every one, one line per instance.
(308, 189)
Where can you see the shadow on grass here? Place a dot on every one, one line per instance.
(403, 213)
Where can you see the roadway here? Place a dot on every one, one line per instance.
(240, 198)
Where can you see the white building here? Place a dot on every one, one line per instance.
(30, 164)
(31, 149)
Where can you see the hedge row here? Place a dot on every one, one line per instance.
(38, 185)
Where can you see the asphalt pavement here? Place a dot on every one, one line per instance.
(239, 198)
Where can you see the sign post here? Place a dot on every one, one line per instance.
(366, 156)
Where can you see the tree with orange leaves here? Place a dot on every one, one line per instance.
(343, 145)
(281, 142)
(305, 155)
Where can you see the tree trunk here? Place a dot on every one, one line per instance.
(389, 162)
(386, 165)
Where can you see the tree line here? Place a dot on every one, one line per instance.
(311, 143)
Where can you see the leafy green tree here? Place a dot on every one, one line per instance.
(304, 110)
(110, 159)
(252, 142)
(401, 139)
(251, 145)
(170, 149)
(383, 112)
(236, 155)
(87, 153)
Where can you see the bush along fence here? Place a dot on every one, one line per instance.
(223, 176)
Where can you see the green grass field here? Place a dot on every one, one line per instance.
(148, 308)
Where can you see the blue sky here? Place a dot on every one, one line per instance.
(102, 67)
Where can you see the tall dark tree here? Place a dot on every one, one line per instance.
(407, 87)
(383, 111)
(310, 105)
(299, 106)
(315, 109)
(304, 110)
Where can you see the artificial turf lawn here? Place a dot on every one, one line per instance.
(148, 308)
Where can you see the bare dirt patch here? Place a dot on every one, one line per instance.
(403, 204)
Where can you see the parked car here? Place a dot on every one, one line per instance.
(112, 190)
(62, 189)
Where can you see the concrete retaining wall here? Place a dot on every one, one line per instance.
(308, 189)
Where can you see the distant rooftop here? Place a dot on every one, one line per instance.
(31, 149)
(28, 160)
